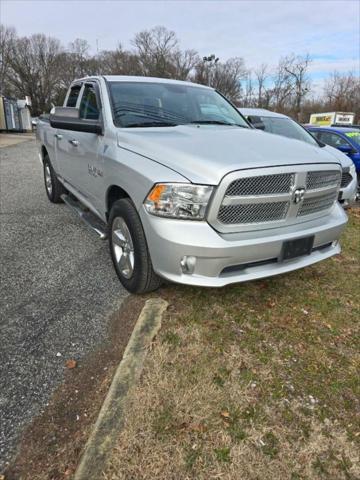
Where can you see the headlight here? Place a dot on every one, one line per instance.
(178, 200)
(352, 170)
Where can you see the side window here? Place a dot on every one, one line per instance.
(332, 139)
(74, 94)
(316, 134)
(88, 106)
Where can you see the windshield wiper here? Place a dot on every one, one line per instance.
(151, 124)
(217, 122)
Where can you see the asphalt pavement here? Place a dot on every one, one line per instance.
(58, 290)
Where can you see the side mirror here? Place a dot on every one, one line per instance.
(256, 122)
(68, 118)
(345, 148)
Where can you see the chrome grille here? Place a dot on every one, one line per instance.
(346, 179)
(261, 185)
(317, 204)
(270, 197)
(322, 179)
(253, 212)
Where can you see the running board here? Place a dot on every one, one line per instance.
(89, 218)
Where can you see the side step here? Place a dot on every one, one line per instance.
(90, 219)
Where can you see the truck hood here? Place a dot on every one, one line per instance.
(204, 154)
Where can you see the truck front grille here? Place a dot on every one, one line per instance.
(317, 204)
(249, 200)
(261, 185)
(253, 212)
(322, 179)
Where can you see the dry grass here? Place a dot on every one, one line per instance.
(255, 381)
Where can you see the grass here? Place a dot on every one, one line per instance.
(253, 381)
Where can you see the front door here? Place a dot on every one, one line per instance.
(82, 166)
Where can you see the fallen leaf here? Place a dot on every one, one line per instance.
(271, 304)
(225, 414)
(197, 427)
(71, 363)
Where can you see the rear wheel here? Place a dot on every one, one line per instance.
(129, 251)
(54, 188)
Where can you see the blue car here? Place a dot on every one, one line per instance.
(345, 139)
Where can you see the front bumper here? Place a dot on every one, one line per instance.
(250, 255)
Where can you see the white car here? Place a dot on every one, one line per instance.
(280, 124)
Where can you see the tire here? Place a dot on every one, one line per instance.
(53, 187)
(129, 250)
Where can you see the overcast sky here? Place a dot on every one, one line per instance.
(258, 30)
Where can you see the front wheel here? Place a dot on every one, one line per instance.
(54, 188)
(128, 248)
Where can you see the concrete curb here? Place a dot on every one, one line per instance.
(111, 417)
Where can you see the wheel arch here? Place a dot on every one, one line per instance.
(114, 192)
(44, 153)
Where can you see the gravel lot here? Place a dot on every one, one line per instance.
(58, 289)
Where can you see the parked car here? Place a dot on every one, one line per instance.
(280, 124)
(34, 122)
(184, 188)
(347, 140)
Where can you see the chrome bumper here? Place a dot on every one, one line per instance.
(193, 253)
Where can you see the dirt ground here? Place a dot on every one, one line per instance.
(9, 139)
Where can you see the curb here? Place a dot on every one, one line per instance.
(111, 417)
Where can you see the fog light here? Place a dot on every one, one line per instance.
(187, 264)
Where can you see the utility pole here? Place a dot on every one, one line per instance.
(211, 61)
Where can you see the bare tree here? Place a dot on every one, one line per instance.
(248, 91)
(184, 63)
(261, 73)
(34, 69)
(118, 62)
(7, 39)
(297, 68)
(282, 85)
(226, 77)
(342, 93)
(40, 67)
(155, 49)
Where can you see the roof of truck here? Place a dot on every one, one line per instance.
(260, 112)
(130, 78)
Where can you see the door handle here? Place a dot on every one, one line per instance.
(74, 142)
(58, 136)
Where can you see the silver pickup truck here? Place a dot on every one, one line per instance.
(184, 188)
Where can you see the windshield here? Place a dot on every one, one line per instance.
(355, 137)
(283, 126)
(144, 104)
